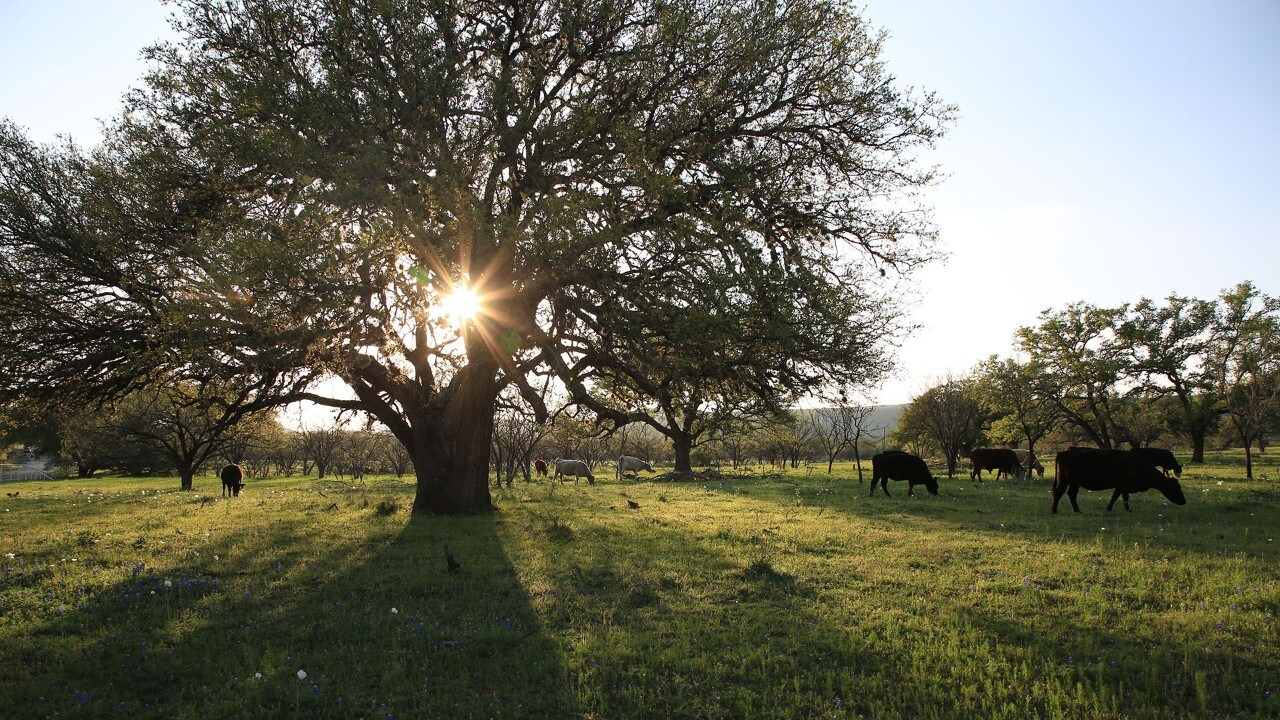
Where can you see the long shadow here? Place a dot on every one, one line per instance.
(259, 624)
(569, 606)
(833, 646)
(1022, 507)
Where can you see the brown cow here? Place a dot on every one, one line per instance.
(540, 466)
(1002, 460)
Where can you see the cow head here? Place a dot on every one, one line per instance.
(1172, 489)
(931, 484)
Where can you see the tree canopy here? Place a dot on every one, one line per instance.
(299, 186)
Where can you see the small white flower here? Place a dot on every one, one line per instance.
(62, 608)
(302, 674)
(215, 557)
(395, 611)
(168, 583)
(1219, 482)
(258, 675)
(9, 555)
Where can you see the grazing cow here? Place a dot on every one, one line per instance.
(232, 480)
(628, 463)
(540, 467)
(899, 465)
(1002, 460)
(1162, 459)
(1124, 471)
(576, 468)
(1029, 462)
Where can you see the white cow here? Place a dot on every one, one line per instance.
(628, 463)
(576, 468)
(1028, 461)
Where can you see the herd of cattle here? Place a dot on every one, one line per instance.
(1122, 471)
(579, 469)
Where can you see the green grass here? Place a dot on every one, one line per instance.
(763, 597)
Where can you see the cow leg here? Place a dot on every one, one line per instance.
(1114, 496)
(1071, 495)
(1057, 495)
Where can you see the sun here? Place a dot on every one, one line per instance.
(462, 305)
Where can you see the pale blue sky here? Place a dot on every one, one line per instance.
(1105, 151)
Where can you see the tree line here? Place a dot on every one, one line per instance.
(1181, 370)
(151, 433)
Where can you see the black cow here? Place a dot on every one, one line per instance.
(1124, 471)
(1162, 459)
(232, 480)
(899, 465)
(1002, 460)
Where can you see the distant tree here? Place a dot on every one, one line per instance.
(1250, 361)
(1169, 349)
(951, 414)
(321, 446)
(517, 435)
(1140, 418)
(735, 441)
(799, 441)
(357, 453)
(254, 444)
(859, 422)
(576, 436)
(283, 451)
(1018, 393)
(188, 423)
(90, 440)
(394, 457)
(1083, 366)
(837, 429)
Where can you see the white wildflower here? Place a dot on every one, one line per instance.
(302, 674)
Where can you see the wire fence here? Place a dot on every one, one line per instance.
(10, 472)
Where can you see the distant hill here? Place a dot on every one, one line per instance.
(883, 420)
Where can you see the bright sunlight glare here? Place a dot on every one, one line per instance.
(462, 304)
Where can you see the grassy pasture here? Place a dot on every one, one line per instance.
(746, 597)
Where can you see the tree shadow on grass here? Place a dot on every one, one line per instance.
(667, 616)
(342, 614)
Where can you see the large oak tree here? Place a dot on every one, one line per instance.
(301, 184)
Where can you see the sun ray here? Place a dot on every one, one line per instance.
(462, 305)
